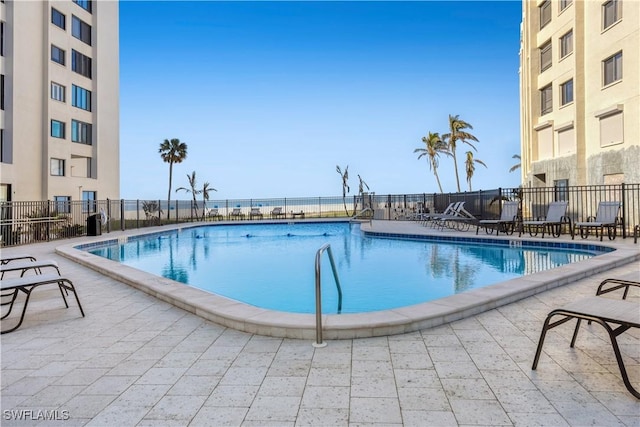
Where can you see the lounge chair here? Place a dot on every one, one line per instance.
(236, 213)
(213, 213)
(16, 257)
(449, 210)
(277, 213)
(556, 217)
(606, 216)
(27, 284)
(459, 219)
(506, 222)
(615, 316)
(24, 266)
(255, 213)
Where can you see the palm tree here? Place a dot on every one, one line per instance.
(345, 185)
(517, 165)
(172, 151)
(361, 187)
(434, 147)
(194, 192)
(457, 133)
(205, 196)
(471, 167)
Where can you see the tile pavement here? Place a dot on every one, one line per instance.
(137, 361)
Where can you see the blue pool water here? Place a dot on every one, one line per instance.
(272, 265)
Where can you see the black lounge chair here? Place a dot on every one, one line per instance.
(16, 257)
(24, 266)
(615, 316)
(506, 223)
(556, 217)
(27, 284)
(606, 216)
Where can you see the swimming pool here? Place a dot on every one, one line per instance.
(272, 266)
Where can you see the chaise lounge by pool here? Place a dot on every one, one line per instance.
(397, 240)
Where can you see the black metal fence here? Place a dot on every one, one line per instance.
(28, 222)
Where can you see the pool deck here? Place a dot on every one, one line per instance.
(138, 360)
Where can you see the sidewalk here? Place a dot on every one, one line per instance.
(135, 360)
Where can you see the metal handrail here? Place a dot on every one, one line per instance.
(362, 212)
(327, 247)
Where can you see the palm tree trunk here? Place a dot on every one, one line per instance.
(169, 194)
(435, 172)
(455, 165)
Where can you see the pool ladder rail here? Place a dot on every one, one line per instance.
(319, 343)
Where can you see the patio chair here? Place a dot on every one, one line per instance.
(459, 219)
(24, 266)
(27, 284)
(556, 217)
(606, 216)
(213, 213)
(277, 213)
(255, 213)
(236, 213)
(16, 257)
(615, 316)
(449, 210)
(506, 222)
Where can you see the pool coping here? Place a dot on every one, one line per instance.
(251, 319)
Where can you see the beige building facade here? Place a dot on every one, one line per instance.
(60, 100)
(580, 92)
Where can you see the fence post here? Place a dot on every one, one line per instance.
(108, 215)
(624, 207)
(122, 226)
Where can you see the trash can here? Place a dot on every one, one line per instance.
(94, 226)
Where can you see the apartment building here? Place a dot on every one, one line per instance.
(59, 123)
(580, 92)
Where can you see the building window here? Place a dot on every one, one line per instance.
(89, 201)
(62, 204)
(1, 91)
(57, 92)
(1, 145)
(545, 13)
(81, 30)
(565, 4)
(612, 129)
(545, 56)
(58, 18)
(81, 132)
(57, 167)
(611, 13)
(80, 98)
(546, 100)
(561, 189)
(1, 38)
(566, 44)
(612, 68)
(57, 129)
(57, 54)
(566, 92)
(85, 4)
(80, 64)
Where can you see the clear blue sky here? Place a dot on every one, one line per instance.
(271, 96)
